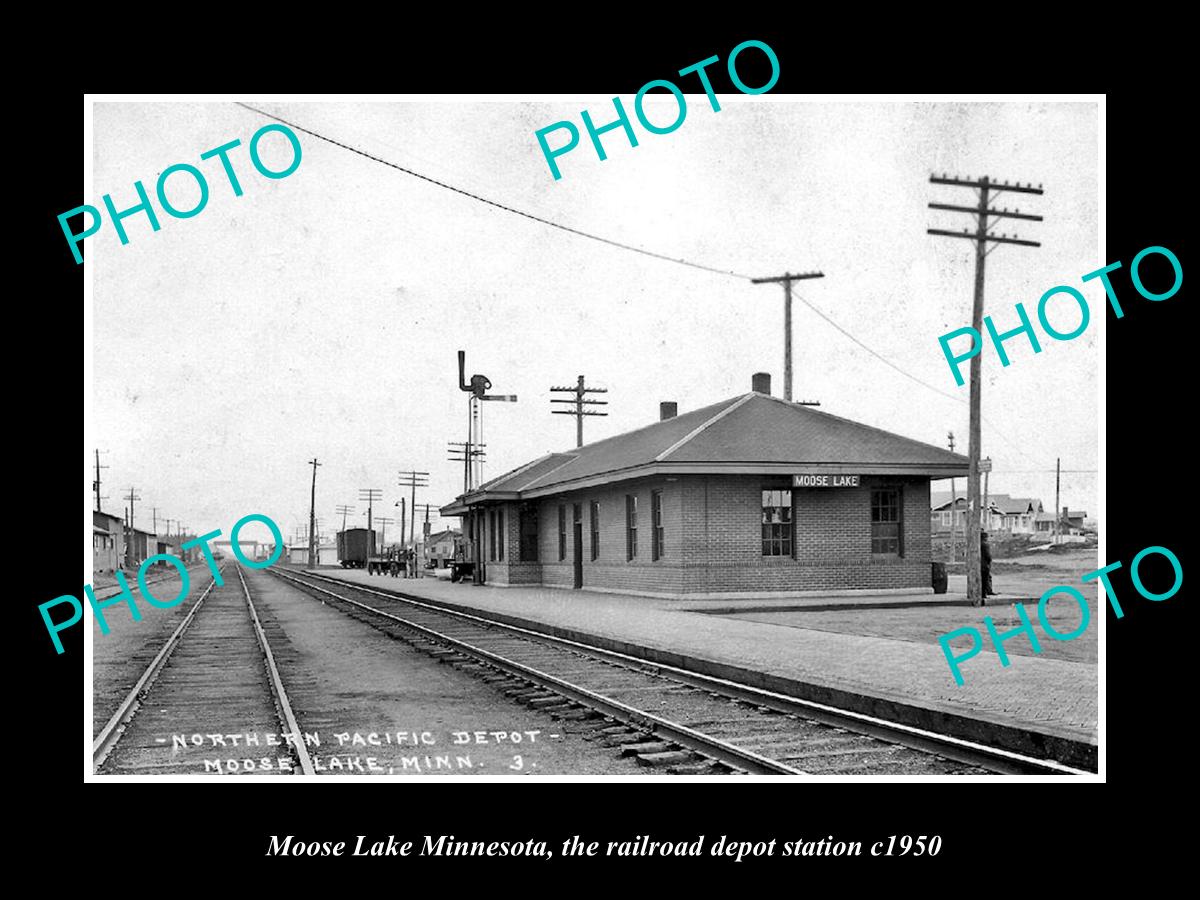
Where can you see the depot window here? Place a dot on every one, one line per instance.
(886, 522)
(528, 524)
(595, 530)
(656, 522)
(776, 523)
(631, 526)
(562, 532)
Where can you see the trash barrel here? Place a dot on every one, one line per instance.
(939, 578)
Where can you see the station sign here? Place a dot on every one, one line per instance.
(825, 481)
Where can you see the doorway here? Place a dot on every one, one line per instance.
(578, 531)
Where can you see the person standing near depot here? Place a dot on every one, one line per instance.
(985, 567)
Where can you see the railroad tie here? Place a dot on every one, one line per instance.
(576, 715)
(623, 739)
(700, 767)
(646, 747)
(664, 758)
(545, 700)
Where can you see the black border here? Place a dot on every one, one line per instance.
(985, 829)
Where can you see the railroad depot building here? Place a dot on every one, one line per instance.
(751, 497)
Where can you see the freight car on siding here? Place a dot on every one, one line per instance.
(354, 547)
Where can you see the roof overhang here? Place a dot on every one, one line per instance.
(461, 506)
(748, 468)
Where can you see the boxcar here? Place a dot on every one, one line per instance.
(354, 547)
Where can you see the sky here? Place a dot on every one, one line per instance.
(319, 315)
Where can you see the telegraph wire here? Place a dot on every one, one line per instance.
(883, 359)
(510, 209)
(878, 356)
(1045, 471)
(612, 243)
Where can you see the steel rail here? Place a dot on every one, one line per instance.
(673, 731)
(954, 748)
(111, 590)
(111, 733)
(285, 708)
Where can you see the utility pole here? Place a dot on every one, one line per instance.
(465, 453)
(154, 514)
(427, 507)
(344, 511)
(579, 403)
(131, 497)
(786, 279)
(96, 482)
(371, 495)
(312, 516)
(401, 503)
(413, 480)
(953, 507)
(1057, 484)
(385, 522)
(987, 189)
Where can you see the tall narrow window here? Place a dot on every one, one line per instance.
(528, 519)
(656, 522)
(595, 530)
(631, 526)
(562, 532)
(491, 529)
(500, 535)
(777, 523)
(886, 522)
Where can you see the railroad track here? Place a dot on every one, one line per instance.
(215, 674)
(168, 573)
(682, 721)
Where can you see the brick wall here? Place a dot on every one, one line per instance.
(612, 570)
(831, 531)
(512, 570)
(713, 540)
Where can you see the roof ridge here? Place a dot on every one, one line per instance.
(730, 407)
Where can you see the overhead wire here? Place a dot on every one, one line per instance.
(511, 209)
(888, 362)
(612, 243)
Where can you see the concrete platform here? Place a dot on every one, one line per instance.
(1039, 706)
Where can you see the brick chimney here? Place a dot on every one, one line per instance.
(761, 382)
(668, 409)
